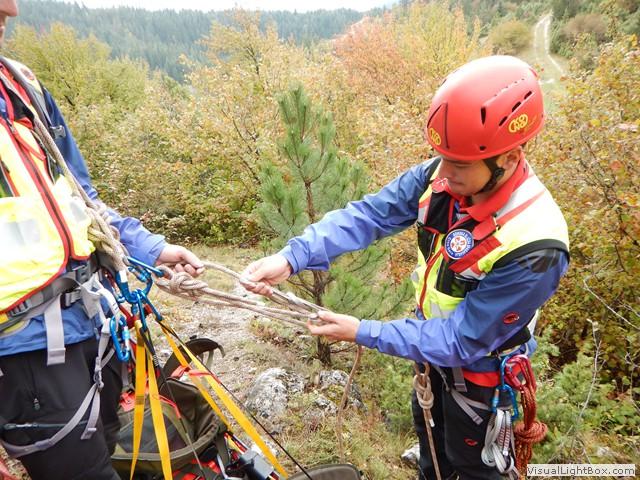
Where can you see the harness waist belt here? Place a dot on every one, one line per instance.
(64, 287)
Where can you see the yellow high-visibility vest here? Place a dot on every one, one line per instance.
(449, 259)
(42, 223)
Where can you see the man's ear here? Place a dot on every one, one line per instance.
(511, 158)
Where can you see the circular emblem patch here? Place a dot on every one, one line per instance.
(458, 243)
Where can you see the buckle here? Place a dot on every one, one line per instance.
(83, 273)
(69, 298)
(57, 131)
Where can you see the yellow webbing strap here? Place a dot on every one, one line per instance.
(140, 397)
(235, 411)
(196, 381)
(158, 422)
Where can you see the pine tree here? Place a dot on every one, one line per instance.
(309, 180)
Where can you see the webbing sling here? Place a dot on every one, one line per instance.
(235, 411)
(140, 397)
(144, 372)
(158, 420)
(499, 444)
(195, 380)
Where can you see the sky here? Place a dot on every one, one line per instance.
(206, 5)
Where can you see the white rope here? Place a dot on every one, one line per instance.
(291, 309)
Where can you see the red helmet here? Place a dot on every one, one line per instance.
(485, 108)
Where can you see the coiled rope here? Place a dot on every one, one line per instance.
(424, 393)
(530, 431)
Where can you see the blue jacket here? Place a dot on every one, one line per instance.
(140, 243)
(475, 328)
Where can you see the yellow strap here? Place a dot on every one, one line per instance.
(158, 422)
(138, 411)
(237, 414)
(196, 381)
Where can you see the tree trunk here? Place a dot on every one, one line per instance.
(323, 351)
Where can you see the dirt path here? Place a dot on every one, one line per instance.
(230, 328)
(553, 70)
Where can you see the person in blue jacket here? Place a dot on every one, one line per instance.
(40, 391)
(492, 247)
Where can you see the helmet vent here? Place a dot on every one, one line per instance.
(483, 114)
(482, 148)
(528, 94)
(504, 119)
(513, 109)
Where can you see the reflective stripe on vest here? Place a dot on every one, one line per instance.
(530, 215)
(42, 224)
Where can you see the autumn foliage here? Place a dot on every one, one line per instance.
(186, 158)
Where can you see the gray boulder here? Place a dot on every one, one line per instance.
(332, 383)
(271, 391)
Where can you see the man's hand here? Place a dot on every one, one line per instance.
(336, 326)
(184, 260)
(260, 275)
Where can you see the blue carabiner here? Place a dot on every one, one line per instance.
(504, 387)
(143, 272)
(153, 308)
(503, 364)
(514, 401)
(121, 338)
(144, 267)
(123, 286)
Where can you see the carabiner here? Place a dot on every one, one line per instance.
(143, 266)
(121, 338)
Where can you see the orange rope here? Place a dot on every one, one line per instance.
(529, 431)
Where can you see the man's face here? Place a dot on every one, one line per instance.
(464, 178)
(8, 8)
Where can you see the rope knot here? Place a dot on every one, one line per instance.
(180, 282)
(422, 385)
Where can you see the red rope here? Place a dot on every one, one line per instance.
(4, 472)
(530, 430)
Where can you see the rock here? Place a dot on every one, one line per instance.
(315, 416)
(271, 390)
(412, 455)
(325, 405)
(604, 452)
(333, 382)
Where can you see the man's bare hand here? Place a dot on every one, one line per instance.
(262, 274)
(185, 260)
(336, 326)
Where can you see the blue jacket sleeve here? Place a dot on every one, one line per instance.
(360, 223)
(140, 243)
(504, 302)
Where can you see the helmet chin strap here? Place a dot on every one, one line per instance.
(496, 174)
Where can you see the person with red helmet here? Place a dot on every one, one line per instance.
(492, 247)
